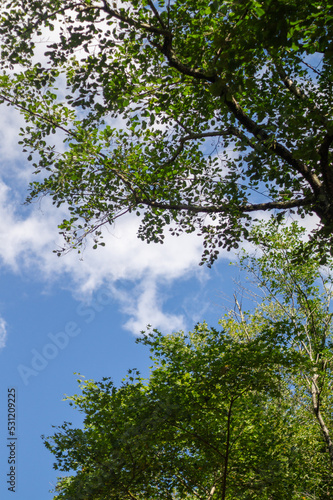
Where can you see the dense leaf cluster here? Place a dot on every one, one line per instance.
(194, 115)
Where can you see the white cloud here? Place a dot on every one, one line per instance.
(11, 121)
(21, 239)
(145, 308)
(28, 237)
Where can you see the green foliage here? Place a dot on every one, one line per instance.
(216, 419)
(241, 412)
(297, 291)
(194, 115)
(297, 302)
(210, 404)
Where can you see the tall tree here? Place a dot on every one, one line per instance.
(215, 420)
(224, 109)
(242, 412)
(297, 298)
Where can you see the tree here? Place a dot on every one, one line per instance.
(226, 111)
(241, 412)
(213, 421)
(298, 296)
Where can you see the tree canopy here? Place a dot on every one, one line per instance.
(172, 437)
(195, 115)
(243, 411)
(297, 299)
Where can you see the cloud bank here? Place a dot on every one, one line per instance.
(28, 236)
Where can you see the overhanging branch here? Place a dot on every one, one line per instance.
(227, 208)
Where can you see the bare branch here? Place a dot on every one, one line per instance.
(242, 318)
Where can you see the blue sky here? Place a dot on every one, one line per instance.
(80, 313)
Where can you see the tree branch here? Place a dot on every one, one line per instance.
(197, 136)
(326, 168)
(316, 409)
(132, 22)
(168, 52)
(242, 318)
(270, 143)
(245, 208)
(157, 15)
(227, 450)
(268, 140)
(17, 105)
(300, 94)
